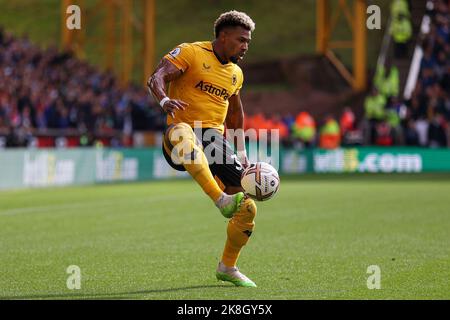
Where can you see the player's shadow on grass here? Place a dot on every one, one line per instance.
(107, 296)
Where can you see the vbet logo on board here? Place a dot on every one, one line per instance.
(352, 160)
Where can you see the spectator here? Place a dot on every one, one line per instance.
(374, 112)
(384, 136)
(401, 32)
(417, 105)
(374, 105)
(347, 121)
(422, 131)
(387, 80)
(411, 135)
(15, 138)
(437, 132)
(304, 129)
(330, 134)
(399, 7)
(393, 120)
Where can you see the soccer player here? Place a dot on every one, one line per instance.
(203, 91)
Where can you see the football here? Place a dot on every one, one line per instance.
(260, 181)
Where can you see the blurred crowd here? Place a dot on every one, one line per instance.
(52, 90)
(304, 131)
(423, 119)
(48, 89)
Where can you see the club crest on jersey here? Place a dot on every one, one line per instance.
(234, 80)
(175, 52)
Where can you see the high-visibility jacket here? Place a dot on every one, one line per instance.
(401, 30)
(374, 107)
(392, 118)
(330, 135)
(388, 85)
(304, 127)
(399, 7)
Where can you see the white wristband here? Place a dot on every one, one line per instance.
(163, 100)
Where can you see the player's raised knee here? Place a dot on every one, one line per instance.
(182, 143)
(180, 132)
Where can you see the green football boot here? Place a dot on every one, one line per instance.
(228, 207)
(233, 275)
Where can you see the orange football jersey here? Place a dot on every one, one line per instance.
(206, 84)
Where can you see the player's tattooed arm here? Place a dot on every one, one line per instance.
(165, 72)
(235, 120)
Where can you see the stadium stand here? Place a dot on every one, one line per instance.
(47, 93)
(422, 119)
(50, 98)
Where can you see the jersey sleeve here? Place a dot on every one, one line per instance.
(182, 56)
(240, 81)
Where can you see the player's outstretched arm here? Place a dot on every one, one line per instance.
(165, 72)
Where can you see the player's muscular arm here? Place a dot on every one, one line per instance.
(165, 72)
(235, 120)
(235, 115)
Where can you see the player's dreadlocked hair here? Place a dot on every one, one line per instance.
(233, 18)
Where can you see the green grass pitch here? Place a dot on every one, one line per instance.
(162, 240)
